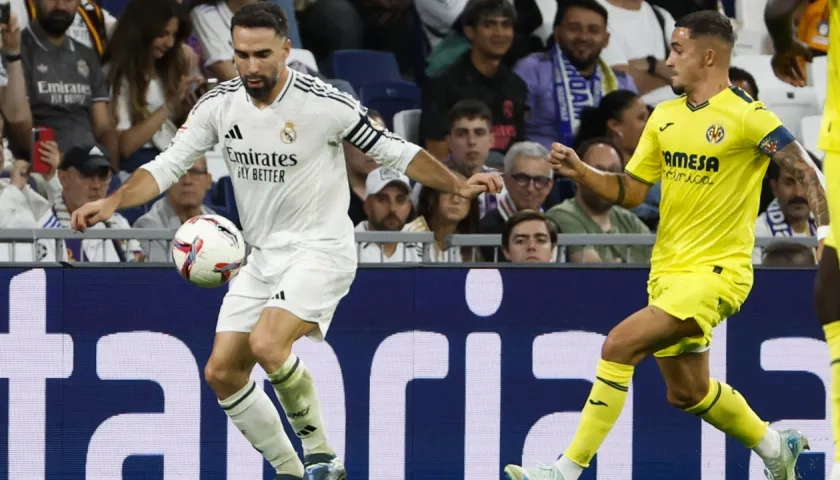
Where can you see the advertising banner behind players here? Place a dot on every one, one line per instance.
(451, 375)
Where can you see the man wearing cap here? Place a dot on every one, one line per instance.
(85, 173)
(388, 208)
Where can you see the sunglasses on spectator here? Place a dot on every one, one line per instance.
(523, 179)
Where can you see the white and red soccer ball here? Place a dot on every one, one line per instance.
(208, 250)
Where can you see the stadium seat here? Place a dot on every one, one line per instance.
(133, 213)
(407, 125)
(818, 76)
(303, 56)
(364, 66)
(810, 133)
(115, 183)
(294, 32)
(390, 97)
(791, 104)
(759, 67)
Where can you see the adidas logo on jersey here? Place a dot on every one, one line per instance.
(234, 133)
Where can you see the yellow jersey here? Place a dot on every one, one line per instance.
(830, 129)
(711, 159)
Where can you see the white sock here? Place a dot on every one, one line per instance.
(569, 469)
(770, 446)
(835, 472)
(296, 391)
(255, 416)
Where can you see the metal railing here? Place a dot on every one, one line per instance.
(420, 240)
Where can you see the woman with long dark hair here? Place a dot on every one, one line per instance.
(446, 214)
(621, 116)
(149, 76)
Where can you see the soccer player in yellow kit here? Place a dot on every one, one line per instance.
(710, 150)
(786, 63)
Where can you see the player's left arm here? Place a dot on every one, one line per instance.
(390, 150)
(764, 128)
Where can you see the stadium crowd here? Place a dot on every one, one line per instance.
(86, 98)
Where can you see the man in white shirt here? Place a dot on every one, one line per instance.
(388, 207)
(788, 215)
(639, 42)
(281, 134)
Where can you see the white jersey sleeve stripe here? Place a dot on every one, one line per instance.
(324, 93)
(229, 86)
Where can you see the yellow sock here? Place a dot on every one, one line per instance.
(612, 380)
(832, 337)
(727, 410)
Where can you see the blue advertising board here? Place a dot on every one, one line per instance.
(438, 374)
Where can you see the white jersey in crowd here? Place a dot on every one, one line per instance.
(286, 161)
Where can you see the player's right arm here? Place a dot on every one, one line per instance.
(778, 17)
(196, 136)
(628, 189)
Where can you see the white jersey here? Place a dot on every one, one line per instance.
(286, 160)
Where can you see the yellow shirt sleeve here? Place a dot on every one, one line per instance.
(764, 129)
(646, 163)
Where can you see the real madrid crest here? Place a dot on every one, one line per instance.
(288, 134)
(715, 133)
(82, 68)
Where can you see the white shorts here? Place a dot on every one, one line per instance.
(307, 283)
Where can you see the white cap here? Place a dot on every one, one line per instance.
(382, 177)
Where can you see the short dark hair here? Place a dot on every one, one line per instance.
(527, 216)
(591, 5)
(787, 254)
(708, 23)
(591, 142)
(475, 10)
(739, 74)
(593, 120)
(469, 109)
(261, 15)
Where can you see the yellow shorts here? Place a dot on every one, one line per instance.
(707, 297)
(831, 167)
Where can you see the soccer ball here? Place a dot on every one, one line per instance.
(208, 250)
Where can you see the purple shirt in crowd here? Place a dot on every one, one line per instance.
(537, 69)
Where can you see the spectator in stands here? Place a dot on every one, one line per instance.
(67, 90)
(85, 173)
(571, 68)
(640, 35)
(788, 215)
(588, 213)
(529, 237)
(528, 178)
(743, 80)
(478, 74)
(470, 139)
(388, 209)
(21, 206)
(788, 254)
(446, 214)
(13, 86)
(359, 166)
(621, 116)
(92, 25)
(182, 201)
(149, 78)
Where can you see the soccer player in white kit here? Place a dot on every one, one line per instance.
(281, 133)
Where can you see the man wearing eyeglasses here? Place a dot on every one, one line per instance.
(587, 213)
(528, 180)
(181, 202)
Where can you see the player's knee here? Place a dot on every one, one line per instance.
(618, 348)
(686, 395)
(224, 379)
(270, 351)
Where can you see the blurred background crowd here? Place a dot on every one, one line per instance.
(96, 89)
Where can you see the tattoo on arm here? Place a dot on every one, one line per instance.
(621, 193)
(795, 160)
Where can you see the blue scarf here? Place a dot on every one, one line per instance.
(572, 92)
(779, 227)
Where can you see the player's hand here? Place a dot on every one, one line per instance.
(786, 64)
(566, 162)
(92, 213)
(481, 183)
